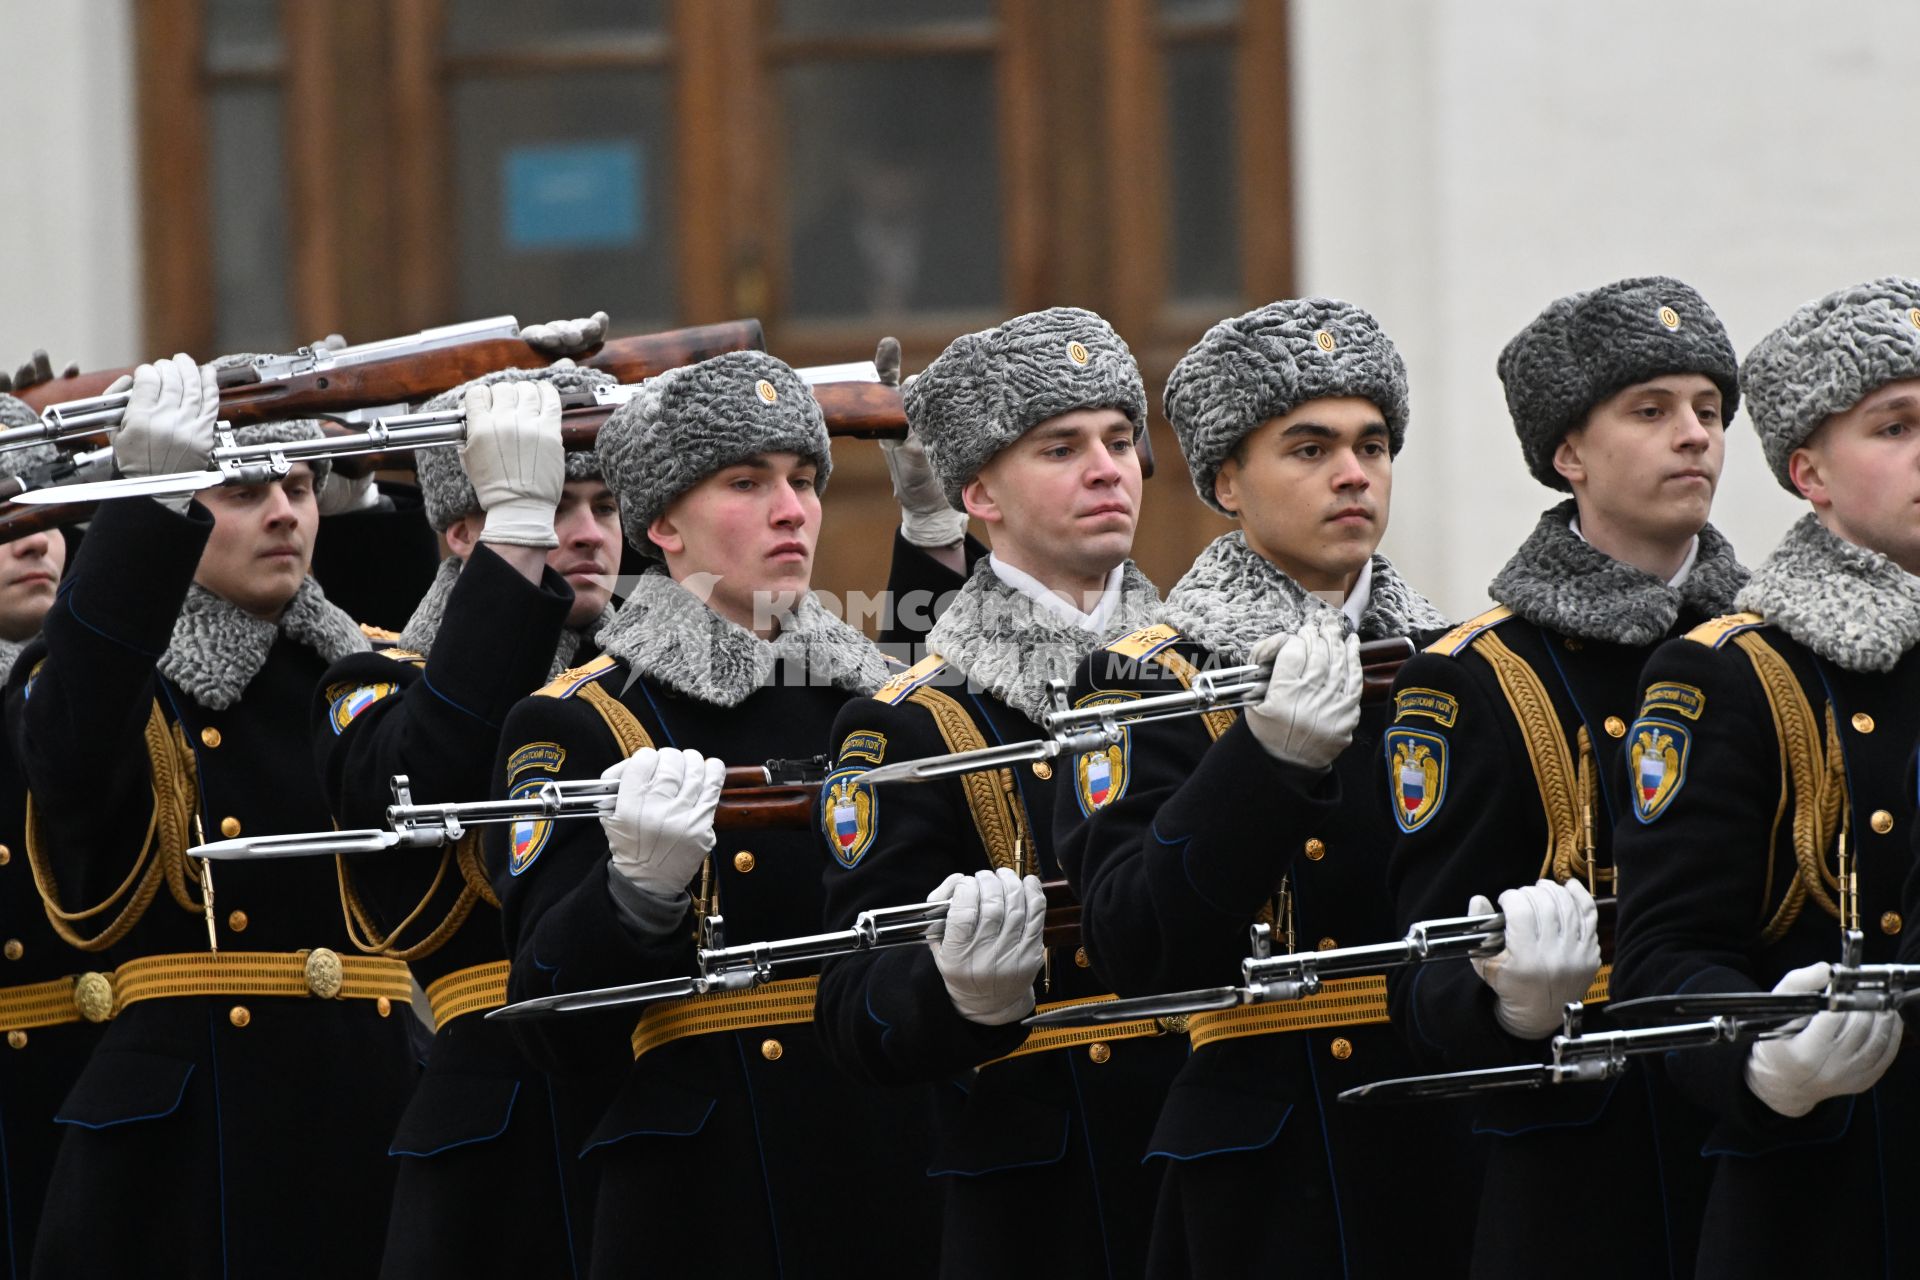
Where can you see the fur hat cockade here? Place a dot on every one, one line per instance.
(988, 389)
(1826, 358)
(690, 422)
(444, 487)
(1267, 363)
(1588, 346)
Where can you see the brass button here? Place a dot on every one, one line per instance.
(16, 1039)
(1572, 644)
(1080, 960)
(743, 861)
(210, 736)
(383, 1006)
(6, 855)
(771, 1050)
(1882, 821)
(93, 996)
(229, 826)
(324, 973)
(237, 921)
(239, 1016)
(1042, 770)
(1341, 1048)
(1890, 923)
(1316, 849)
(1862, 722)
(1099, 1051)
(13, 950)
(1616, 727)
(1325, 944)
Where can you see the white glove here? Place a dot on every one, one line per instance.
(1829, 1055)
(168, 425)
(567, 337)
(989, 951)
(1312, 703)
(660, 828)
(513, 455)
(340, 495)
(1551, 955)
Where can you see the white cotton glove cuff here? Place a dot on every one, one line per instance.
(988, 948)
(660, 827)
(1550, 957)
(513, 456)
(1831, 1055)
(926, 518)
(1312, 703)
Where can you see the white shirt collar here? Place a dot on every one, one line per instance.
(1355, 605)
(1038, 592)
(1686, 566)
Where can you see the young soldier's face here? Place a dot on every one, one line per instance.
(1648, 458)
(29, 574)
(748, 532)
(1312, 490)
(262, 541)
(1066, 494)
(587, 522)
(1861, 472)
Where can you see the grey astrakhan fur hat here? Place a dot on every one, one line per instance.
(1826, 358)
(692, 421)
(15, 412)
(1269, 362)
(286, 433)
(988, 389)
(1588, 346)
(444, 487)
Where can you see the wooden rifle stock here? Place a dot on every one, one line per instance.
(421, 375)
(1379, 663)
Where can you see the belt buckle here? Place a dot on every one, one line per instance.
(93, 996)
(325, 973)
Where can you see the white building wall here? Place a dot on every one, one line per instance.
(69, 222)
(1462, 162)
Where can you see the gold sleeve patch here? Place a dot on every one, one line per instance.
(346, 701)
(864, 744)
(544, 756)
(1435, 705)
(1669, 695)
(1100, 776)
(848, 814)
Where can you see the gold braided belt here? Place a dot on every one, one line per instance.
(470, 990)
(1341, 1002)
(41, 1004)
(1047, 1039)
(774, 1005)
(320, 973)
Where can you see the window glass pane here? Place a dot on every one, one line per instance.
(563, 197)
(813, 17)
(892, 187)
(250, 255)
(1204, 185)
(502, 26)
(243, 35)
(1199, 10)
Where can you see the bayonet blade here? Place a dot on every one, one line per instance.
(126, 487)
(604, 998)
(1744, 1005)
(928, 768)
(1458, 1084)
(305, 844)
(1102, 1013)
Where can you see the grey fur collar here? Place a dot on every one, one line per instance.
(218, 647)
(1008, 645)
(667, 633)
(1559, 581)
(1233, 597)
(422, 628)
(1852, 606)
(10, 651)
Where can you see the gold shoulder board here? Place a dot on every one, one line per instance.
(1139, 644)
(379, 635)
(1463, 635)
(1714, 634)
(565, 684)
(907, 681)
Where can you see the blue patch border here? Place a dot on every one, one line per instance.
(1633, 778)
(849, 858)
(1439, 744)
(515, 864)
